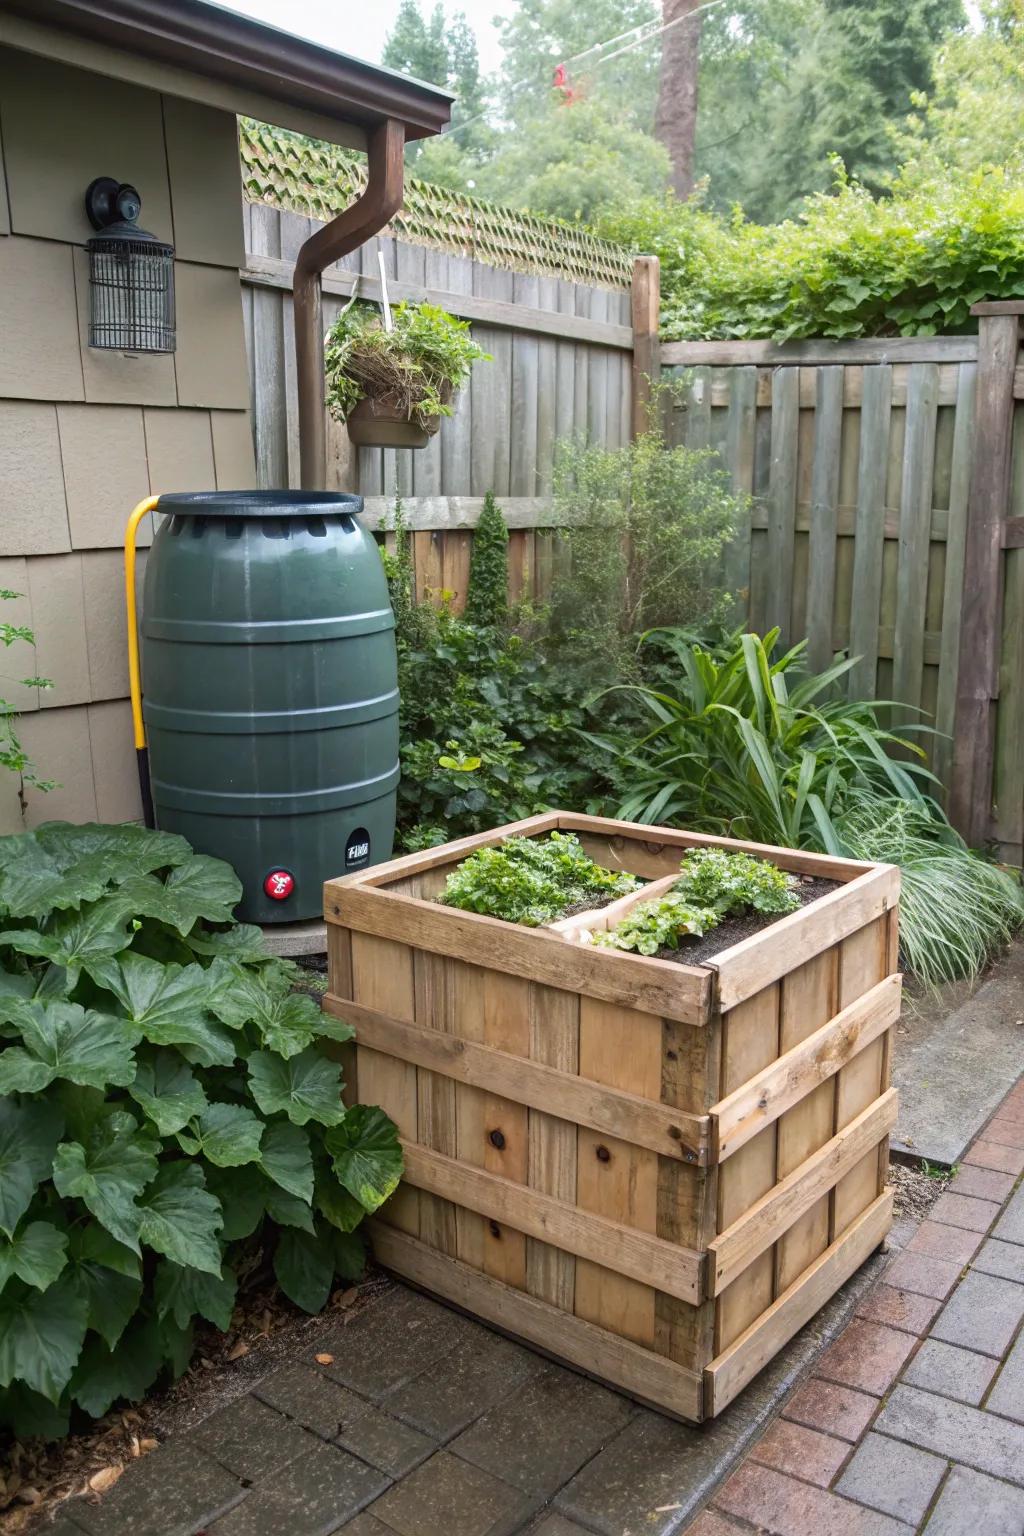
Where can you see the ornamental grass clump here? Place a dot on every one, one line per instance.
(169, 1120)
(533, 880)
(415, 367)
(956, 908)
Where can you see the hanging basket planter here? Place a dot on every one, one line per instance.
(391, 377)
(382, 424)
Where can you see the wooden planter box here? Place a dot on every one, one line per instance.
(654, 1172)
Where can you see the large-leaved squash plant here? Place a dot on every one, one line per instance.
(169, 1107)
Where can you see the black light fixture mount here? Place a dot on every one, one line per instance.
(131, 274)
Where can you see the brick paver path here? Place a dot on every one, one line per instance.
(913, 1420)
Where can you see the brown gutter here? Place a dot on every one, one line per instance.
(368, 214)
(223, 45)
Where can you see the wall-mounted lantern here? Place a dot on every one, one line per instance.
(131, 274)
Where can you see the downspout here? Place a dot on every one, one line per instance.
(368, 214)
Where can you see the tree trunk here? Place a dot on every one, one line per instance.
(676, 121)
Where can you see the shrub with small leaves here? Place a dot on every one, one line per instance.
(487, 594)
(168, 1112)
(532, 880)
(651, 926)
(736, 882)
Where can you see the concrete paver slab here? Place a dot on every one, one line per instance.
(978, 1439)
(447, 1496)
(983, 1313)
(972, 1504)
(889, 1475)
(951, 1371)
(311, 1497)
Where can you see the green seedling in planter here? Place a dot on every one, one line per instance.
(714, 884)
(654, 925)
(532, 880)
(169, 1115)
(736, 882)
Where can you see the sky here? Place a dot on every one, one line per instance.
(360, 27)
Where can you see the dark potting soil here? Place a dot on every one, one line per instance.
(731, 930)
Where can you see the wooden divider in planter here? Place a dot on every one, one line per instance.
(656, 1172)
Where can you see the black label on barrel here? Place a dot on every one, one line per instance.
(357, 849)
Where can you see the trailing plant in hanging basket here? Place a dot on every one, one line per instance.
(393, 386)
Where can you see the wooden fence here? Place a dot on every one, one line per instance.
(886, 476)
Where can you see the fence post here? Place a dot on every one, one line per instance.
(645, 293)
(970, 792)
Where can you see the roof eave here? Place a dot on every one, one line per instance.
(224, 45)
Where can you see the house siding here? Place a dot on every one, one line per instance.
(85, 435)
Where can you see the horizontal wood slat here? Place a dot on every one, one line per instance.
(756, 962)
(271, 272)
(626, 1116)
(763, 1098)
(650, 1377)
(668, 1267)
(766, 1221)
(739, 1364)
(825, 865)
(651, 986)
(885, 349)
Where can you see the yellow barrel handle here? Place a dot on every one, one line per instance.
(134, 674)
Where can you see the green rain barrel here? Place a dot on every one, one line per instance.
(270, 690)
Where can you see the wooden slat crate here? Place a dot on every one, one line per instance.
(654, 1172)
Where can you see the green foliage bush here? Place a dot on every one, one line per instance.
(532, 880)
(908, 264)
(417, 365)
(644, 527)
(749, 745)
(487, 728)
(167, 1113)
(13, 756)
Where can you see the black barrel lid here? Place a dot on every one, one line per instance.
(260, 503)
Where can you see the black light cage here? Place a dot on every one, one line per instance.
(131, 283)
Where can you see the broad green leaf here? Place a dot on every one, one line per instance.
(29, 1416)
(288, 1022)
(166, 1090)
(112, 1297)
(138, 850)
(226, 1134)
(108, 1174)
(306, 1087)
(349, 1255)
(36, 1254)
(201, 887)
(185, 1292)
(41, 1335)
(63, 1040)
(287, 1209)
(15, 985)
(181, 1219)
(167, 1004)
(178, 1344)
(29, 1134)
(304, 1266)
(286, 1158)
(247, 1195)
(74, 939)
(367, 1155)
(334, 1202)
(242, 942)
(105, 1376)
(241, 1195)
(93, 1244)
